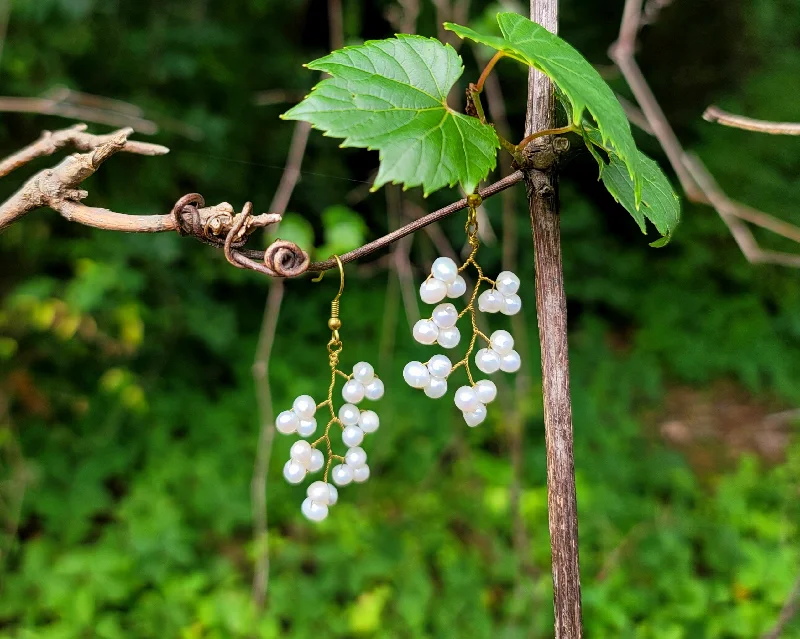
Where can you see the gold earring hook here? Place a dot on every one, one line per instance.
(334, 323)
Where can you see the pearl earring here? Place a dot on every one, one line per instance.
(446, 280)
(305, 457)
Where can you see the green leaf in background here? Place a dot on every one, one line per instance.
(532, 44)
(391, 95)
(659, 203)
(344, 231)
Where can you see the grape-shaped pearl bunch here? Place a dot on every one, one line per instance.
(306, 457)
(446, 280)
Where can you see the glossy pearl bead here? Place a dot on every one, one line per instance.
(287, 422)
(440, 366)
(466, 399)
(512, 305)
(425, 331)
(369, 422)
(349, 414)
(501, 342)
(352, 436)
(360, 475)
(486, 391)
(490, 301)
(317, 461)
(353, 391)
(475, 417)
(436, 388)
(355, 457)
(457, 288)
(510, 362)
(301, 452)
(294, 472)
(432, 291)
(445, 315)
(445, 270)
(507, 283)
(306, 427)
(304, 407)
(416, 374)
(314, 511)
(449, 337)
(363, 372)
(487, 361)
(374, 390)
(342, 474)
(318, 492)
(334, 495)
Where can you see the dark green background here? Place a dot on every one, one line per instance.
(126, 359)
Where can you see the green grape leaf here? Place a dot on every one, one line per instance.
(659, 203)
(391, 95)
(535, 46)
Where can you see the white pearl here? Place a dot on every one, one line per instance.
(486, 391)
(512, 305)
(349, 414)
(334, 495)
(369, 422)
(449, 337)
(353, 391)
(445, 315)
(436, 387)
(507, 283)
(287, 422)
(457, 288)
(314, 511)
(304, 407)
(432, 291)
(363, 372)
(352, 436)
(445, 270)
(360, 475)
(294, 472)
(342, 474)
(487, 361)
(475, 417)
(318, 492)
(440, 366)
(301, 452)
(510, 362)
(317, 461)
(374, 390)
(501, 342)
(416, 374)
(425, 331)
(307, 427)
(490, 301)
(466, 399)
(355, 457)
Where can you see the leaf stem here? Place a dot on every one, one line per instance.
(487, 70)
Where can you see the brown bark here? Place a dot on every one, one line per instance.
(551, 310)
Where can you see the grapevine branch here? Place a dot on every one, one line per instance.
(696, 181)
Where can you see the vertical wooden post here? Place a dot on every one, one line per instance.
(551, 310)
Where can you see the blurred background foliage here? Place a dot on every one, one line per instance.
(127, 448)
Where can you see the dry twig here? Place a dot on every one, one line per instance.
(695, 179)
(715, 114)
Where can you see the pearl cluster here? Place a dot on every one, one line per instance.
(304, 457)
(499, 354)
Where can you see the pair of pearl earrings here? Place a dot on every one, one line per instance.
(354, 424)
(498, 354)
